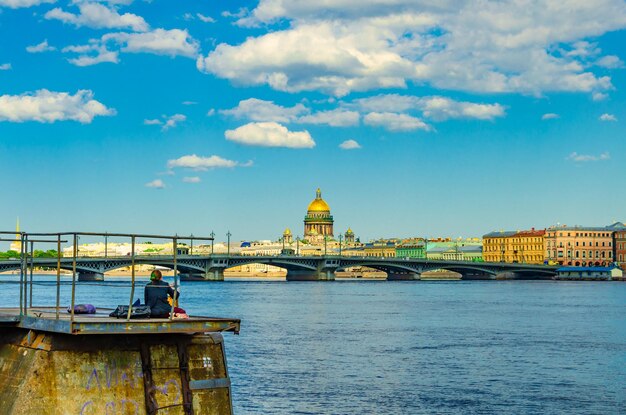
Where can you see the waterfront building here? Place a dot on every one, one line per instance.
(589, 273)
(415, 248)
(514, 246)
(381, 248)
(318, 222)
(579, 245)
(619, 239)
(455, 251)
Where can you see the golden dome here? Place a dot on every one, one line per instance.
(318, 205)
(287, 231)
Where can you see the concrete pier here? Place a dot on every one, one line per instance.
(90, 276)
(216, 274)
(403, 276)
(56, 374)
(310, 275)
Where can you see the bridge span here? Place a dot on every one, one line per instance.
(299, 268)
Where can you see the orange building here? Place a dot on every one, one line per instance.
(579, 246)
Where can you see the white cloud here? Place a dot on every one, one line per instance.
(102, 55)
(49, 106)
(436, 108)
(587, 157)
(599, 96)
(156, 184)
(608, 117)
(270, 134)
(174, 42)
(610, 62)
(550, 116)
(98, 16)
(472, 45)
(199, 163)
(159, 41)
(189, 103)
(441, 108)
(335, 118)
(172, 121)
(395, 122)
(194, 179)
(5, 67)
(40, 47)
(259, 110)
(350, 145)
(210, 112)
(16, 4)
(169, 121)
(205, 19)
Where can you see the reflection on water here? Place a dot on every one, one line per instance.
(375, 347)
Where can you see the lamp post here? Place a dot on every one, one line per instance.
(297, 245)
(106, 246)
(426, 248)
(325, 239)
(283, 241)
(228, 235)
(340, 244)
(212, 241)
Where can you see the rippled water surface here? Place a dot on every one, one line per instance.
(377, 347)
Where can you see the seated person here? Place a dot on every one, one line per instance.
(156, 295)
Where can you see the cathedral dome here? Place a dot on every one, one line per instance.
(318, 205)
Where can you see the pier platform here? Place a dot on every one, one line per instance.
(45, 319)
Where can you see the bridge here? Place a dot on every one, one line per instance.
(299, 268)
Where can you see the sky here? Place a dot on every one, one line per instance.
(414, 117)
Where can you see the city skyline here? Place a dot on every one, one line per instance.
(190, 118)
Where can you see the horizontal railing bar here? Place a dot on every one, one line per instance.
(31, 240)
(128, 235)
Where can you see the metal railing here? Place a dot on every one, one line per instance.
(26, 258)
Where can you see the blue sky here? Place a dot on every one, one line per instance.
(414, 117)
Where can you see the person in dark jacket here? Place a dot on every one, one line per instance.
(156, 294)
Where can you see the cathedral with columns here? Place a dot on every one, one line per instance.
(318, 222)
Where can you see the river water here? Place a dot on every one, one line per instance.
(378, 347)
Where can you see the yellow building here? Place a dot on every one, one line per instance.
(525, 247)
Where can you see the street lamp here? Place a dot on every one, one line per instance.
(228, 235)
(340, 236)
(212, 241)
(426, 248)
(298, 245)
(325, 239)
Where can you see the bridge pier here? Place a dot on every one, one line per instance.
(216, 274)
(90, 276)
(310, 275)
(477, 275)
(403, 276)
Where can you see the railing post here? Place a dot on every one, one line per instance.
(74, 254)
(23, 242)
(58, 275)
(32, 259)
(175, 279)
(132, 273)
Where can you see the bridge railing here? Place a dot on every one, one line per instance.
(27, 241)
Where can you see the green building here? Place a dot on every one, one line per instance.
(411, 249)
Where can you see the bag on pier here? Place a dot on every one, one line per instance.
(142, 311)
(82, 309)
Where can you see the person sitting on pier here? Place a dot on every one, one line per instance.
(156, 295)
